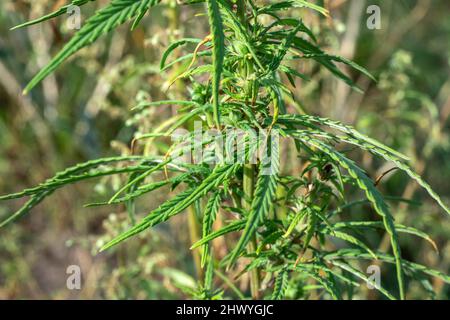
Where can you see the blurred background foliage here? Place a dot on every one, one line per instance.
(83, 111)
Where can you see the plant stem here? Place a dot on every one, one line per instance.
(249, 169)
(241, 11)
(249, 189)
(194, 234)
(282, 212)
(193, 223)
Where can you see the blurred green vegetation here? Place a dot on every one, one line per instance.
(82, 112)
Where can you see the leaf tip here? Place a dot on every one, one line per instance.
(105, 247)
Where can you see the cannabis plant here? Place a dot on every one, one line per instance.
(290, 218)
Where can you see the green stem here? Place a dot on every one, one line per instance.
(194, 234)
(241, 9)
(249, 190)
(193, 223)
(249, 169)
